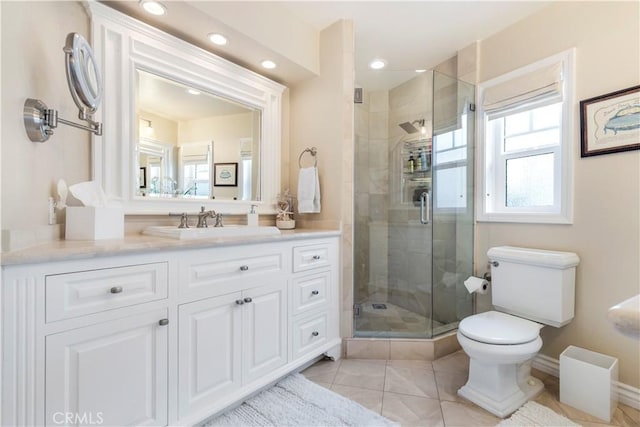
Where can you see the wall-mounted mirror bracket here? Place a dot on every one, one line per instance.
(40, 121)
(85, 84)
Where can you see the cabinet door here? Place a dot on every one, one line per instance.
(112, 373)
(209, 351)
(264, 320)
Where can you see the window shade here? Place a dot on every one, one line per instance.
(194, 153)
(541, 83)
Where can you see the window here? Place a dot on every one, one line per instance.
(526, 138)
(450, 168)
(196, 179)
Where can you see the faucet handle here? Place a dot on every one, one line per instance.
(184, 219)
(219, 220)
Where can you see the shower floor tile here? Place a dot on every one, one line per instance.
(394, 321)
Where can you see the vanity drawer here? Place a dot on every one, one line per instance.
(86, 292)
(227, 271)
(310, 257)
(309, 333)
(310, 292)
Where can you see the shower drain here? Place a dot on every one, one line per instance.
(379, 306)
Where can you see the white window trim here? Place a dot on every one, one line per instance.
(484, 181)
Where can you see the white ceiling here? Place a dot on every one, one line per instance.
(407, 34)
(172, 100)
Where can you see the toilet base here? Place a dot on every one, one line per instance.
(510, 390)
(507, 406)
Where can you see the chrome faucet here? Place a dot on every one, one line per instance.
(202, 217)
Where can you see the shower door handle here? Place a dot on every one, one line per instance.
(424, 207)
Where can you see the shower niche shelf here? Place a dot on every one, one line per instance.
(415, 182)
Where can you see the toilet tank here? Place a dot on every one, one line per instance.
(533, 283)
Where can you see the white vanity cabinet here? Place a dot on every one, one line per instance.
(168, 337)
(112, 373)
(311, 292)
(228, 341)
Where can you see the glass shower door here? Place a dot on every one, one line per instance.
(410, 228)
(452, 203)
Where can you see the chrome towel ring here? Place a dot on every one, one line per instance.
(313, 151)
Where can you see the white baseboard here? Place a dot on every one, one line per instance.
(627, 394)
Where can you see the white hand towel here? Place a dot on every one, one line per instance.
(308, 190)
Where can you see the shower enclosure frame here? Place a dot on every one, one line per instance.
(413, 222)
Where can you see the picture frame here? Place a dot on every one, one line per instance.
(610, 123)
(142, 177)
(225, 174)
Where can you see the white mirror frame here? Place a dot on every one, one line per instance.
(122, 45)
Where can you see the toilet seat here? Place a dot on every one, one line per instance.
(494, 327)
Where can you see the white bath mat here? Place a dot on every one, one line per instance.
(533, 414)
(296, 401)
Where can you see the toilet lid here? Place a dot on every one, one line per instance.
(493, 327)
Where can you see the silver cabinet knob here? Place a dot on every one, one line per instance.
(239, 302)
(116, 289)
(248, 299)
(315, 333)
(316, 257)
(163, 322)
(315, 292)
(244, 267)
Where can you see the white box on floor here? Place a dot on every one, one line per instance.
(586, 381)
(94, 223)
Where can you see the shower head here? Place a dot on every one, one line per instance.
(410, 128)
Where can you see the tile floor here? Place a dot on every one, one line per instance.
(423, 393)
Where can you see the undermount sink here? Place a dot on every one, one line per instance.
(626, 317)
(210, 232)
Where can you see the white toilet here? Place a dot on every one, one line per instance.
(530, 288)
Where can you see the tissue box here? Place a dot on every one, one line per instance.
(94, 223)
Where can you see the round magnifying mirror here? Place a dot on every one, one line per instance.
(83, 75)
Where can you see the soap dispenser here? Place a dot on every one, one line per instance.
(252, 217)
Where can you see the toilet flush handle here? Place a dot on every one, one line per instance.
(494, 263)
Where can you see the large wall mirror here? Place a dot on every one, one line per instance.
(182, 127)
(182, 135)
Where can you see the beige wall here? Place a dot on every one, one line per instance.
(33, 34)
(317, 114)
(162, 129)
(321, 115)
(606, 229)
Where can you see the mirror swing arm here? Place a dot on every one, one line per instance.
(85, 86)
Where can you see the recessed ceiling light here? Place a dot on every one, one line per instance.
(420, 70)
(377, 64)
(218, 39)
(153, 7)
(193, 92)
(269, 65)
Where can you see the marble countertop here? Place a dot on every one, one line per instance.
(626, 317)
(65, 250)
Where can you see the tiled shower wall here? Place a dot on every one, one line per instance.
(371, 197)
(409, 241)
(389, 257)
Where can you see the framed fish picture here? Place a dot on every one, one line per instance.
(225, 174)
(610, 123)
